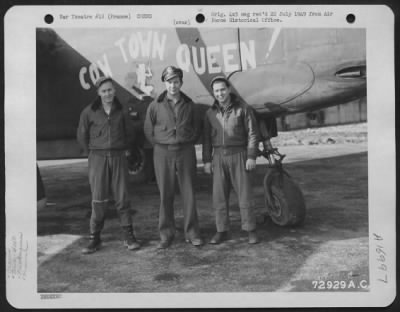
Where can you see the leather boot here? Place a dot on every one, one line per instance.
(195, 241)
(94, 244)
(129, 238)
(253, 238)
(219, 237)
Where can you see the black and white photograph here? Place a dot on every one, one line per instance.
(200, 156)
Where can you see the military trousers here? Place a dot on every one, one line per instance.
(108, 178)
(176, 164)
(230, 171)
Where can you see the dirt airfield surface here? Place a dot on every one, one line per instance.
(329, 252)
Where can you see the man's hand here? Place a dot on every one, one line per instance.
(250, 164)
(207, 168)
(84, 151)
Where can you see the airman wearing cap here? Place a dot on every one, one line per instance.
(171, 72)
(173, 127)
(229, 151)
(102, 132)
(101, 80)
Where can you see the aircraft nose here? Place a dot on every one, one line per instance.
(274, 83)
(297, 87)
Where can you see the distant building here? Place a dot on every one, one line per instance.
(352, 112)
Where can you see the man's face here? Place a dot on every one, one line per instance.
(106, 92)
(173, 85)
(221, 92)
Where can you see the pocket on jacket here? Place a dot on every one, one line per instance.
(188, 132)
(160, 127)
(237, 126)
(235, 120)
(95, 133)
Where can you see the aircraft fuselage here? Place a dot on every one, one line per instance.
(276, 71)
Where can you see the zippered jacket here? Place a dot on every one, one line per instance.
(99, 131)
(164, 126)
(237, 127)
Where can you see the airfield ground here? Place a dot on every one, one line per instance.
(330, 165)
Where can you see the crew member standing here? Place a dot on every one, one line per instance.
(102, 133)
(172, 126)
(231, 144)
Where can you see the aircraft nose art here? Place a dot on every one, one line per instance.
(272, 85)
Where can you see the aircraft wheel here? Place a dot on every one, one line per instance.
(140, 165)
(284, 199)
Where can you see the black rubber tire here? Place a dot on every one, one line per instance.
(284, 200)
(144, 172)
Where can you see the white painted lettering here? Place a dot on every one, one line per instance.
(105, 66)
(133, 46)
(82, 80)
(228, 56)
(145, 43)
(183, 57)
(159, 46)
(200, 69)
(274, 37)
(248, 55)
(94, 73)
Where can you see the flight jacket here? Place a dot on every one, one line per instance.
(233, 129)
(98, 131)
(162, 126)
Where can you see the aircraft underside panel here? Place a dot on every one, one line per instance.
(267, 88)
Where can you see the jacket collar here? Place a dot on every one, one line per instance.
(97, 104)
(163, 97)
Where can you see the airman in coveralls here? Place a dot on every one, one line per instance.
(231, 144)
(172, 126)
(102, 133)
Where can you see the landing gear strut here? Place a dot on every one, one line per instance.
(284, 200)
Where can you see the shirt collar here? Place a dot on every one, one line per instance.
(163, 97)
(170, 100)
(97, 104)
